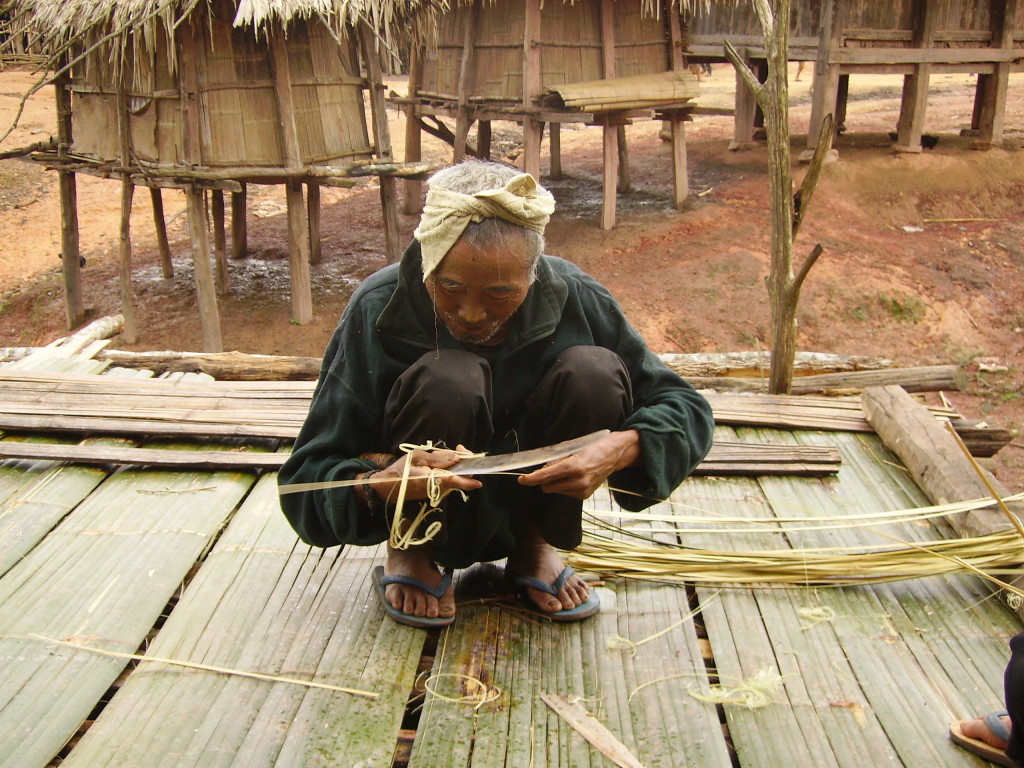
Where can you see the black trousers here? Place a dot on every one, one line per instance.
(446, 397)
(1013, 690)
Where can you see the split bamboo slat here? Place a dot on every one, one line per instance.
(875, 654)
(264, 603)
(483, 704)
(107, 572)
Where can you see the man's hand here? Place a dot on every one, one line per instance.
(423, 462)
(582, 473)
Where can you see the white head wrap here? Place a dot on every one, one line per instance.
(446, 214)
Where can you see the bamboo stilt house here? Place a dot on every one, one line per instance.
(209, 96)
(913, 38)
(603, 63)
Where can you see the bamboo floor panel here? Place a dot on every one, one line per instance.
(519, 657)
(263, 602)
(102, 576)
(879, 682)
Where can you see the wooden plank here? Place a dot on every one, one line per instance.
(723, 459)
(263, 602)
(107, 574)
(36, 497)
(206, 292)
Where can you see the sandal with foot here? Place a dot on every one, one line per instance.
(381, 582)
(977, 746)
(582, 611)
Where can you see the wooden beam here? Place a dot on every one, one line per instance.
(938, 464)
(467, 72)
(239, 228)
(413, 188)
(825, 85)
(609, 196)
(680, 172)
(382, 140)
(992, 88)
(160, 225)
(298, 255)
(206, 293)
(914, 103)
(131, 324)
(532, 84)
(67, 185)
(220, 249)
(745, 109)
(313, 209)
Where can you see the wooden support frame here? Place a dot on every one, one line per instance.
(825, 84)
(67, 185)
(220, 243)
(382, 140)
(992, 88)
(206, 293)
(914, 103)
(532, 129)
(239, 227)
(298, 230)
(199, 236)
(130, 330)
(413, 188)
(464, 117)
(156, 199)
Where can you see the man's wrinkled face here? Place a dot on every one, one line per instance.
(475, 293)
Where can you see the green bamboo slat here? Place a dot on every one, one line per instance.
(524, 657)
(898, 667)
(263, 602)
(101, 577)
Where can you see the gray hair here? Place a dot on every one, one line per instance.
(472, 176)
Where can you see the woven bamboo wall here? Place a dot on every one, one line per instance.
(239, 121)
(569, 42)
(741, 19)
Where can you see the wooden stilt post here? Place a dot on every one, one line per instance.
(992, 89)
(624, 184)
(915, 87)
(842, 97)
(826, 74)
(532, 130)
(74, 308)
(298, 255)
(298, 230)
(464, 117)
(413, 199)
(199, 236)
(220, 244)
(313, 205)
(160, 224)
(130, 332)
(555, 150)
(206, 292)
(680, 172)
(611, 130)
(745, 109)
(239, 230)
(382, 139)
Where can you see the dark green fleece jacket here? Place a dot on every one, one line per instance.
(390, 323)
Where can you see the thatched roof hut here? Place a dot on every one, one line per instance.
(605, 63)
(207, 96)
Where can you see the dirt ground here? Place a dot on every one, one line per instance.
(923, 254)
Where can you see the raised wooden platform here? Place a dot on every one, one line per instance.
(198, 572)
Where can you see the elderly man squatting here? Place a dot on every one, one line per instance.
(476, 340)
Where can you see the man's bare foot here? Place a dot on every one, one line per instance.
(535, 557)
(980, 730)
(417, 563)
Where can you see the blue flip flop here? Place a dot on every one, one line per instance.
(980, 748)
(381, 582)
(582, 611)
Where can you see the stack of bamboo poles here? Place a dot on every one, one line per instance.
(640, 91)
